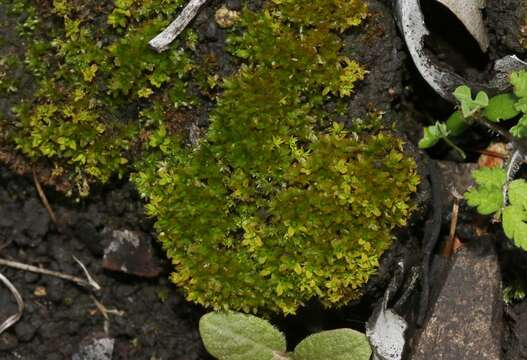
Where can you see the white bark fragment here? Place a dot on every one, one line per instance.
(162, 41)
(469, 12)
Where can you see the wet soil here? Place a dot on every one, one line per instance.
(156, 323)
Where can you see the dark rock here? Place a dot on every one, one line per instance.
(234, 4)
(55, 356)
(212, 31)
(456, 176)
(122, 291)
(50, 330)
(55, 289)
(466, 320)
(131, 253)
(8, 215)
(21, 239)
(25, 331)
(31, 277)
(89, 236)
(95, 347)
(36, 219)
(8, 342)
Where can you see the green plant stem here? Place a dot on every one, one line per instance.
(494, 128)
(455, 147)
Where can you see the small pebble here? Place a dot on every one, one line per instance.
(234, 4)
(40, 291)
(25, 331)
(226, 18)
(54, 356)
(8, 342)
(31, 277)
(212, 31)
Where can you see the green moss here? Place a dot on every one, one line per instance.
(95, 73)
(270, 210)
(276, 204)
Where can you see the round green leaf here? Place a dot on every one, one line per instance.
(236, 336)
(456, 123)
(501, 107)
(341, 344)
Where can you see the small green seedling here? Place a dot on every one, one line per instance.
(470, 106)
(236, 336)
(483, 110)
(488, 197)
(495, 191)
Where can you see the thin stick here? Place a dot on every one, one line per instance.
(10, 321)
(21, 266)
(161, 42)
(5, 244)
(449, 248)
(44, 199)
(91, 281)
(105, 311)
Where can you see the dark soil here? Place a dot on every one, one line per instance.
(157, 322)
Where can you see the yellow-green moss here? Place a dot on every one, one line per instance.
(276, 204)
(95, 73)
(270, 210)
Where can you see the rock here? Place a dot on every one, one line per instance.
(89, 236)
(466, 320)
(55, 356)
(24, 331)
(8, 214)
(36, 219)
(31, 277)
(95, 347)
(456, 177)
(55, 289)
(211, 32)
(8, 342)
(131, 252)
(234, 4)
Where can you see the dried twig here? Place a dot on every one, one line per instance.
(105, 311)
(91, 281)
(450, 245)
(5, 244)
(44, 199)
(10, 321)
(91, 284)
(161, 42)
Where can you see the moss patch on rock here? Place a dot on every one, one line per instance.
(274, 207)
(94, 75)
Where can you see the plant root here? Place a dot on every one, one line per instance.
(13, 319)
